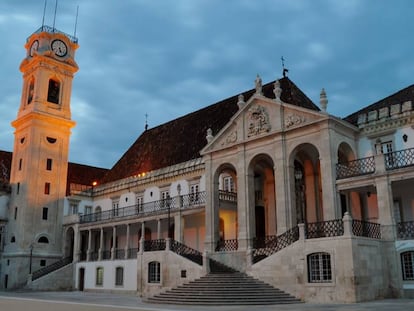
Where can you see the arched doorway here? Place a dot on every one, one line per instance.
(262, 189)
(307, 192)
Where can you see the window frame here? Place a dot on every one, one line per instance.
(154, 272)
(410, 265)
(99, 276)
(319, 268)
(119, 276)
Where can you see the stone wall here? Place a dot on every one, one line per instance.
(61, 279)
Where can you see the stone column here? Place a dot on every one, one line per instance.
(76, 244)
(212, 205)
(159, 229)
(101, 246)
(245, 217)
(385, 208)
(179, 228)
(127, 240)
(284, 183)
(88, 252)
(113, 250)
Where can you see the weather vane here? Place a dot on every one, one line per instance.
(285, 70)
(146, 121)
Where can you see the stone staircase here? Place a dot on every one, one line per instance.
(224, 288)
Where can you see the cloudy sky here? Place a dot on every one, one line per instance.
(168, 58)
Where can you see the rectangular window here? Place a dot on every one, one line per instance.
(154, 274)
(165, 199)
(228, 184)
(43, 262)
(74, 208)
(20, 164)
(18, 188)
(115, 207)
(45, 212)
(47, 188)
(15, 213)
(119, 276)
(49, 164)
(319, 268)
(88, 210)
(140, 204)
(407, 263)
(99, 276)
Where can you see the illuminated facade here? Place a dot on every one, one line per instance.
(265, 182)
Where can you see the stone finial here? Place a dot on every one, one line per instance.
(258, 85)
(209, 136)
(277, 90)
(323, 100)
(241, 101)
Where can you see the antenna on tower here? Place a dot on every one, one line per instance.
(54, 17)
(44, 13)
(76, 20)
(285, 70)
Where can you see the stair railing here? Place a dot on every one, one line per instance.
(264, 247)
(186, 252)
(53, 267)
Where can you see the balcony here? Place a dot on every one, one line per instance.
(354, 168)
(189, 201)
(399, 159)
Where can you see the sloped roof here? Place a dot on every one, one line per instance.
(399, 97)
(181, 140)
(83, 175)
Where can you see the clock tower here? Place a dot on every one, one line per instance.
(40, 156)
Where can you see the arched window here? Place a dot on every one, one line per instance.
(407, 264)
(53, 91)
(13, 239)
(154, 272)
(319, 268)
(119, 276)
(43, 239)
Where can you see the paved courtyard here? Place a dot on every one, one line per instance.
(74, 301)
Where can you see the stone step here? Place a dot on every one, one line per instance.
(230, 288)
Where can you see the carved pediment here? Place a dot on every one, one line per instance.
(257, 120)
(294, 119)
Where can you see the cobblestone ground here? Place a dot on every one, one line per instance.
(74, 301)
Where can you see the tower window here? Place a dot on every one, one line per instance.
(53, 91)
(47, 188)
(49, 164)
(20, 164)
(18, 188)
(15, 213)
(30, 91)
(45, 212)
(51, 140)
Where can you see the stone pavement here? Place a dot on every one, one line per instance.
(74, 301)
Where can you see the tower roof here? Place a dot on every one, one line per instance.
(181, 140)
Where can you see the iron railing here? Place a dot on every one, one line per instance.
(45, 28)
(106, 255)
(53, 267)
(227, 245)
(94, 256)
(366, 229)
(193, 200)
(132, 253)
(154, 245)
(187, 252)
(357, 167)
(324, 229)
(399, 159)
(119, 253)
(264, 247)
(405, 230)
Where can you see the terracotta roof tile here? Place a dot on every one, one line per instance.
(181, 140)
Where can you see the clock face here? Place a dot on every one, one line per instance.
(34, 47)
(59, 48)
